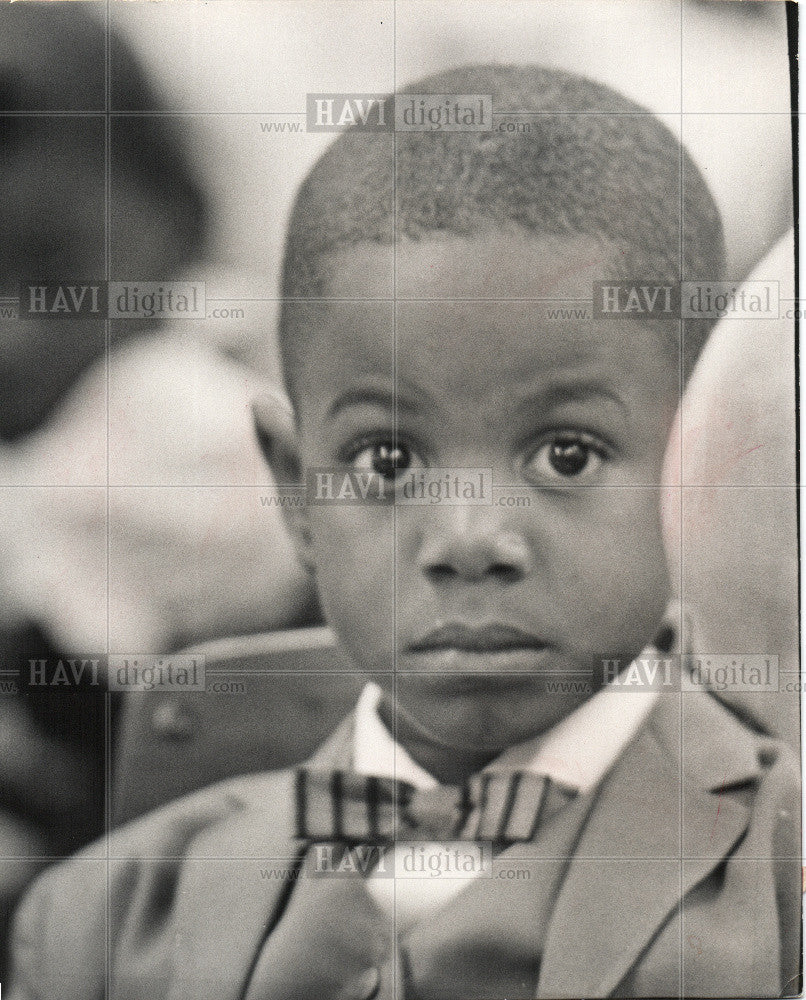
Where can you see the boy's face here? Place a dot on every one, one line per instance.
(469, 610)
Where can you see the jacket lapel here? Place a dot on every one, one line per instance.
(658, 828)
(451, 948)
(331, 941)
(225, 905)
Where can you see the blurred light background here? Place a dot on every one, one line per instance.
(716, 70)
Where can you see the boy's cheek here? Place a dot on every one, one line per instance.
(641, 590)
(354, 554)
(364, 620)
(352, 532)
(614, 565)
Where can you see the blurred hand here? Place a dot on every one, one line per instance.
(179, 547)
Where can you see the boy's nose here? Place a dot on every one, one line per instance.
(475, 554)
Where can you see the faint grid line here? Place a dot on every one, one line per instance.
(397, 962)
(302, 114)
(107, 342)
(681, 389)
(264, 859)
(522, 487)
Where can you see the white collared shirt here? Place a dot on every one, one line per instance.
(577, 752)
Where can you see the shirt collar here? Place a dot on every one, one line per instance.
(374, 749)
(577, 752)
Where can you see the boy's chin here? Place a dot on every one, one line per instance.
(478, 720)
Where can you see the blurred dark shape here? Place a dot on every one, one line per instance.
(63, 741)
(84, 195)
(57, 222)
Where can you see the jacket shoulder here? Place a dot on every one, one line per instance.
(717, 746)
(117, 891)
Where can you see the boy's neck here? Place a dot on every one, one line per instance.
(449, 765)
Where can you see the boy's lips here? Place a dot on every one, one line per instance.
(490, 639)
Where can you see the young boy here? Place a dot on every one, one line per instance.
(604, 841)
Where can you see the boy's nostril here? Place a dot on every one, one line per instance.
(441, 572)
(502, 572)
(505, 573)
(474, 558)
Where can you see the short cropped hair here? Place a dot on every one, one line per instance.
(592, 163)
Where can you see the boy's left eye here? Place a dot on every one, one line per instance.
(565, 457)
(387, 459)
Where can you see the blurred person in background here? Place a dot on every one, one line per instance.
(83, 569)
(730, 512)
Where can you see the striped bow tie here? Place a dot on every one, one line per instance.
(346, 806)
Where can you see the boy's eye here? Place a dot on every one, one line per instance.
(385, 458)
(565, 457)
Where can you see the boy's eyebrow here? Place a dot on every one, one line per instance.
(370, 396)
(559, 393)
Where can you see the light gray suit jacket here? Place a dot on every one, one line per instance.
(685, 881)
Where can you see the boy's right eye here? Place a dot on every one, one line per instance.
(385, 458)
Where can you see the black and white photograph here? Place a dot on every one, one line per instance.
(399, 474)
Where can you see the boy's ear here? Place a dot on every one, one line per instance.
(278, 439)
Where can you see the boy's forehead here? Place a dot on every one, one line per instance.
(497, 264)
(498, 312)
